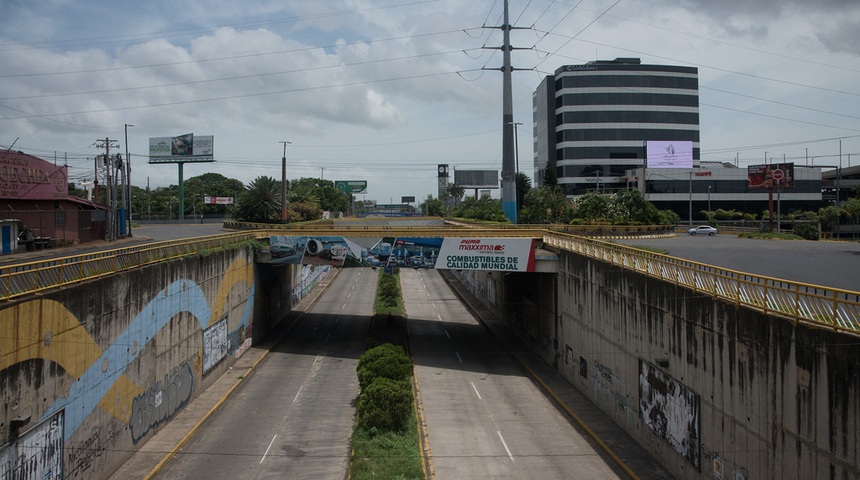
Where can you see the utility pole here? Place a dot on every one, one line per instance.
(128, 181)
(111, 217)
(509, 176)
(284, 183)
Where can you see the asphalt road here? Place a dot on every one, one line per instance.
(825, 263)
(293, 417)
(485, 418)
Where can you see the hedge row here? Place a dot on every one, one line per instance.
(385, 377)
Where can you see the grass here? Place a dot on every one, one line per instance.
(388, 455)
(770, 236)
(381, 454)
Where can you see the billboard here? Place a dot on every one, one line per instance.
(181, 149)
(443, 170)
(476, 178)
(218, 200)
(675, 154)
(469, 253)
(769, 176)
(351, 187)
(25, 177)
(409, 199)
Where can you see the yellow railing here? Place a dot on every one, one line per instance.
(798, 302)
(33, 277)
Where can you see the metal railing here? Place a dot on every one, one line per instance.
(832, 308)
(28, 278)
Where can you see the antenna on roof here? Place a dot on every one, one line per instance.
(13, 144)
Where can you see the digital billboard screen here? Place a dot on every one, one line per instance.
(674, 154)
(771, 175)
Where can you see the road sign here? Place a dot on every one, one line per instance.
(351, 187)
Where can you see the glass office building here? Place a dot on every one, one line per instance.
(592, 121)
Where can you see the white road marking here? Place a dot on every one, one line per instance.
(476, 391)
(458, 357)
(446, 333)
(505, 445)
(268, 448)
(297, 394)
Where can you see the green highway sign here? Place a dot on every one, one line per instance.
(352, 187)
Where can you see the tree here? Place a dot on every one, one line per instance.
(829, 217)
(432, 206)
(456, 192)
(550, 179)
(484, 208)
(545, 205)
(524, 184)
(851, 209)
(260, 201)
(592, 207)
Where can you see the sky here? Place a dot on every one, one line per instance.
(385, 90)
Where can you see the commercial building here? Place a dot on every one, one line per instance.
(593, 124)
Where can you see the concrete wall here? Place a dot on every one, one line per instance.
(709, 389)
(90, 372)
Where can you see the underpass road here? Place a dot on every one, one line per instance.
(293, 417)
(485, 418)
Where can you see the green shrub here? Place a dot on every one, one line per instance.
(806, 231)
(385, 405)
(385, 361)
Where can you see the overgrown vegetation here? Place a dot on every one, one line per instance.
(388, 299)
(385, 440)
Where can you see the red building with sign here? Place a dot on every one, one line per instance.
(35, 193)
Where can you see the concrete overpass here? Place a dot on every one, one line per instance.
(690, 359)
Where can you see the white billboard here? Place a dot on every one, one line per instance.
(674, 154)
(505, 254)
(182, 148)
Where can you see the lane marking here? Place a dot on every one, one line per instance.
(447, 334)
(458, 357)
(268, 448)
(505, 445)
(476, 391)
(298, 393)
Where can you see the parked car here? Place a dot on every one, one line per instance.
(703, 229)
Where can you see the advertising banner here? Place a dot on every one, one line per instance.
(678, 154)
(507, 254)
(182, 148)
(771, 175)
(498, 254)
(218, 200)
(25, 177)
(353, 187)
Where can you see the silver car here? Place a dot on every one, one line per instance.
(703, 229)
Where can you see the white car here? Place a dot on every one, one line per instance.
(703, 229)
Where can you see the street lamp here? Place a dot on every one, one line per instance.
(128, 180)
(691, 198)
(284, 182)
(709, 202)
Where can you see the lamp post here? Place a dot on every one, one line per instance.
(128, 180)
(709, 203)
(284, 182)
(691, 198)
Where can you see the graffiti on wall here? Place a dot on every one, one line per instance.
(161, 401)
(37, 454)
(214, 344)
(83, 456)
(671, 411)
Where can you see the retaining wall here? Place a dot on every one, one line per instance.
(88, 373)
(711, 390)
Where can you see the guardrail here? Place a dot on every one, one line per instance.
(798, 302)
(832, 308)
(28, 278)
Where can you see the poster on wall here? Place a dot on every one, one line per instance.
(214, 344)
(671, 411)
(38, 453)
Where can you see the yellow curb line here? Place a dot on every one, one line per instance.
(169, 456)
(593, 436)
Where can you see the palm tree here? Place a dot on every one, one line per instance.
(260, 202)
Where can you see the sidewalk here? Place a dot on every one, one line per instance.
(172, 437)
(630, 460)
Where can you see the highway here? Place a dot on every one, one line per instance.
(293, 417)
(485, 418)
